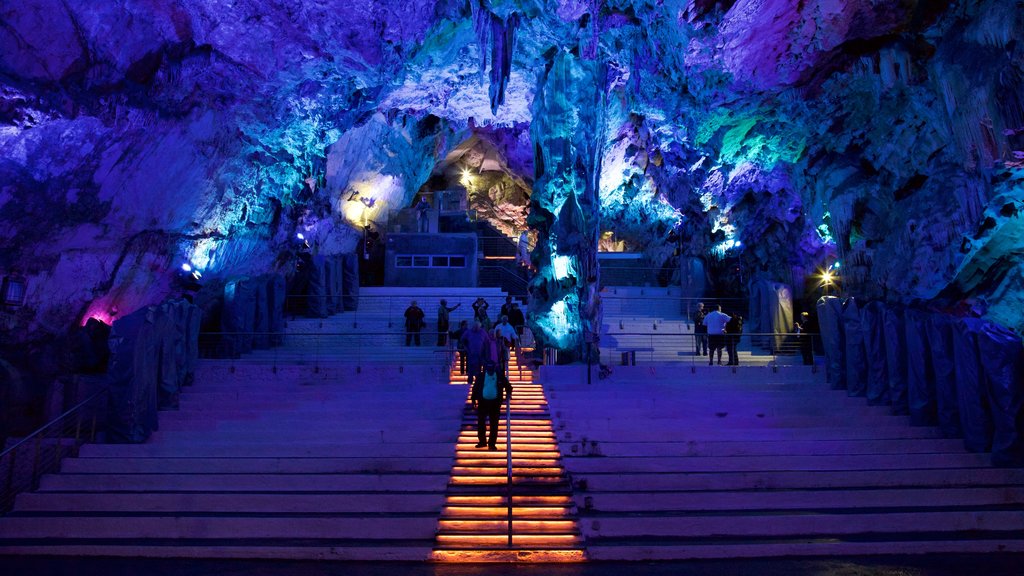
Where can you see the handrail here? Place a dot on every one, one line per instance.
(53, 422)
(14, 483)
(508, 452)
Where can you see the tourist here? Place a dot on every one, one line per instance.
(507, 338)
(423, 214)
(457, 339)
(733, 330)
(475, 342)
(700, 331)
(805, 330)
(516, 319)
(442, 321)
(715, 323)
(480, 307)
(523, 250)
(488, 393)
(506, 307)
(413, 323)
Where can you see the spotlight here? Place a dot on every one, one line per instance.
(300, 236)
(826, 277)
(186, 267)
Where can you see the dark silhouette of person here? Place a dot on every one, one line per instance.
(805, 330)
(442, 322)
(733, 331)
(700, 331)
(461, 345)
(516, 319)
(474, 341)
(423, 215)
(413, 323)
(506, 307)
(488, 394)
(480, 307)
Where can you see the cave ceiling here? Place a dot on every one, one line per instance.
(779, 136)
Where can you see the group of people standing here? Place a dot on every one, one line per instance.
(415, 320)
(716, 330)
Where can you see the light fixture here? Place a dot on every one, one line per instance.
(300, 235)
(12, 291)
(186, 267)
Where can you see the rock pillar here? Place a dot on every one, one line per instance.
(568, 134)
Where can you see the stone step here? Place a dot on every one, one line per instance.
(354, 482)
(137, 528)
(756, 501)
(802, 525)
(271, 449)
(746, 447)
(792, 480)
(229, 503)
(188, 465)
(709, 431)
(775, 463)
(799, 547)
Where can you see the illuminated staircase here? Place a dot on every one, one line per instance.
(474, 523)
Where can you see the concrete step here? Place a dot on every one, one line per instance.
(267, 504)
(88, 528)
(188, 465)
(354, 482)
(795, 480)
(272, 450)
(798, 547)
(808, 463)
(783, 525)
(757, 501)
(772, 448)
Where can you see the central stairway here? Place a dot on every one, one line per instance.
(483, 497)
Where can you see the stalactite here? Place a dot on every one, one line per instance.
(497, 40)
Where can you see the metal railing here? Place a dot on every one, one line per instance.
(320, 349)
(387, 312)
(752, 349)
(27, 460)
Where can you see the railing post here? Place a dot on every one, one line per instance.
(35, 463)
(9, 489)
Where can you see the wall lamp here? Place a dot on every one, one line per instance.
(12, 291)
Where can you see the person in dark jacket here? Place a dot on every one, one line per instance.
(489, 408)
(516, 319)
(413, 323)
(805, 330)
(733, 330)
(461, 346)
(442, 321)
(474, 341)
(700, 331)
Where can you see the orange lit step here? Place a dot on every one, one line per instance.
(516, 447)
(517, 500)
(502, 511)
(496, 526)
(473, 452)
(495, 540)
(506, 556)
(516, 471)
(502, 480)
(516, 462)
